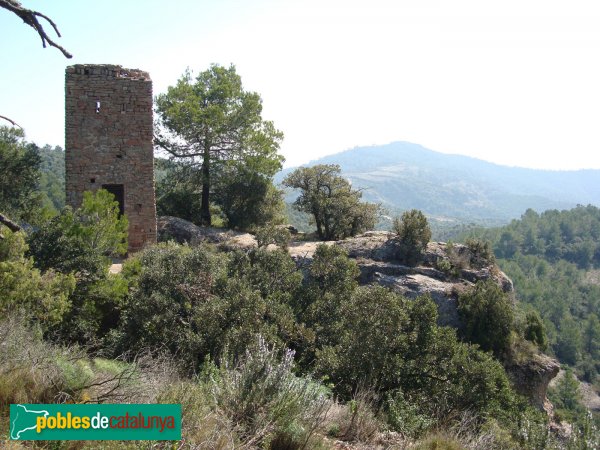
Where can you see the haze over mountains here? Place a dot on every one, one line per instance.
(402, 175)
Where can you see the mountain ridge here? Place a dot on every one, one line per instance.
(402, 175)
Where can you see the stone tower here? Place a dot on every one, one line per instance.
(108, 137)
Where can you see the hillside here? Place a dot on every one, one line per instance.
(402, 175)
(344, 348)
(553, 260)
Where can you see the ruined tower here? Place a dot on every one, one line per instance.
(108, 137)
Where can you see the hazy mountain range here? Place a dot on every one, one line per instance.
(402, 175)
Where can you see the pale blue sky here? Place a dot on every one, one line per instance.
(512, 82)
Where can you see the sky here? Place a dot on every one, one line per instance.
(514, 82)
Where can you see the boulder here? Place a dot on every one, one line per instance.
(183, 231)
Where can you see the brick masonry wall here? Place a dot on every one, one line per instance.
(108, 140)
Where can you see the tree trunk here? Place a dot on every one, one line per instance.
(205, 218)
(12, 226)
(319, 228)
(327, 234)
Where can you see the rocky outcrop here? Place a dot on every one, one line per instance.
(531, 378)
(376, 255)
(183, 231)
(444, 273)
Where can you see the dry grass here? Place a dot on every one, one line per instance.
(354, 422)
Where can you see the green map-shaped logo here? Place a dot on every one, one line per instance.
(24, 421)
(83, 422)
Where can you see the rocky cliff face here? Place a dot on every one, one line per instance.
(532, 377)
(445, 272)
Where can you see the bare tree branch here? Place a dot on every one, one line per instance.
(9, 223)
(30, 17)
(15, 124)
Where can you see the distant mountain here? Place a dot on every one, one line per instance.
(402, 175)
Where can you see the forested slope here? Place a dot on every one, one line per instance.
(553, 259)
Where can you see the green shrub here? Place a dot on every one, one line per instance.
(535, 331)
(447, 267)
(406, 417)
(487, 317)
(444, 265)
(272, 273)
(393, 343)
(272, 234)
(481, 252)
(330, 281)
(82, 240)
(42, 297)
(169, 304)
(195, 302)
(413, 234)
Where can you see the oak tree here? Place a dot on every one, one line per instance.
(337, 209)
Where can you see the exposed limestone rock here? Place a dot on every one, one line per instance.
(375, 253)
(444, 294)
(183, 231)
(531, 378)
(374, 245)
(304, 250)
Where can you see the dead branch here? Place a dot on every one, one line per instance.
(14, 124)
(9, 224)
(30, 17)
